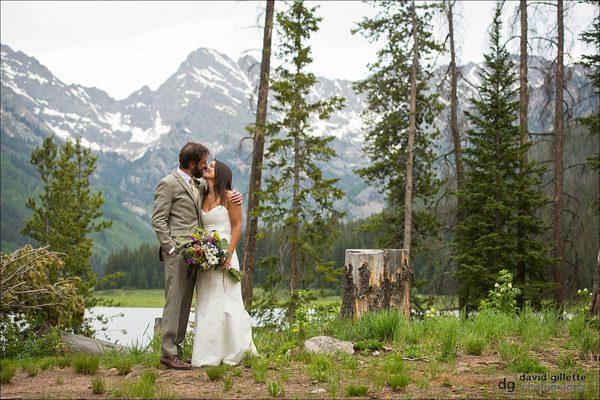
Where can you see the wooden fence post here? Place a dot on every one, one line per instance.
(375, 280)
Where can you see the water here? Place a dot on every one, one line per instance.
(131, 326)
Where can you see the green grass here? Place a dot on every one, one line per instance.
(98, 385)
(275, 389)
(319, 367)
(356, 390)
(30, 366)
(134, 297)
(7, 370)
(156, 297)
(216, 372)
(397, 381)
(474, 345)
(86, 364)
(227, 383)
(259, 370)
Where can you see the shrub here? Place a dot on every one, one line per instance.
(474, 345)
(86, 364)
(7, 370)
(503, 297)
(98, 386)
(356, 390)
(275, 389)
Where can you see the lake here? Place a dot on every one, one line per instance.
(131, 325)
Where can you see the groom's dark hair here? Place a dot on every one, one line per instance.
(192, 151)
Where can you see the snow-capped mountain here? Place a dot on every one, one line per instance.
(210, 99)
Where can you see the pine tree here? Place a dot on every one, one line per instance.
(67, 211)
(388, 91)
(298, 197)
(493, 235)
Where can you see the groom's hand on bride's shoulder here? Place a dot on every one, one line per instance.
(235, 197)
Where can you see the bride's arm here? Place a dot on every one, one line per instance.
(235, 217)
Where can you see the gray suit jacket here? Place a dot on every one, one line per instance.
(175, 212)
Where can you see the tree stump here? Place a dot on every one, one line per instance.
(375, 280)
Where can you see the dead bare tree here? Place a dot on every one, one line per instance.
(559, 133)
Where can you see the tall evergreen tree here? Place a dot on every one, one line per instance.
(493, 235)
(297, 196)
(67, 211)
(405, 32)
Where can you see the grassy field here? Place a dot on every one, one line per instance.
(437, 357)
(156, 297)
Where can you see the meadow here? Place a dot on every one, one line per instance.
(483, 355)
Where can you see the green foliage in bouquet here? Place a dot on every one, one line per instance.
(205, 250)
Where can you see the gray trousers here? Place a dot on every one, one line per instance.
(179, 289)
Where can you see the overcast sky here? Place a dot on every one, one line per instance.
(121, 46)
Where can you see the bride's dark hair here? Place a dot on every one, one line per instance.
(223, 177)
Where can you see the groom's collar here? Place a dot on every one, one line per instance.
(187, 178)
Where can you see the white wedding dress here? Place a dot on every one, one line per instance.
(222, 326)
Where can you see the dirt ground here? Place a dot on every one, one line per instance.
(468, 377)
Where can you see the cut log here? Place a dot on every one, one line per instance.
(376, 280)
(84, 344)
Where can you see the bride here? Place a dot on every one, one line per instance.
(222, 327)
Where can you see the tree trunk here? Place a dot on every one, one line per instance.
(558, 163)
(257, 160)
(460, 176)
(595, 305)
(408, 194)
(375, 280)
(523, 127)
(294, 250)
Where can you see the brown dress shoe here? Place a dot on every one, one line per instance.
(174, 362)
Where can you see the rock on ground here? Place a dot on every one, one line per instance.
(326, 344)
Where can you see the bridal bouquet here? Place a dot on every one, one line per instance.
(205, 250)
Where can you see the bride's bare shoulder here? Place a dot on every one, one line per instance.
(228, 202)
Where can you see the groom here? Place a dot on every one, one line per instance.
(177, 210)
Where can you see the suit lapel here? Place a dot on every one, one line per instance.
(199, 204)
(187, 188)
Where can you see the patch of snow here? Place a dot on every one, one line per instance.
(61, 133)
(38, 78)
(193, 93)
(18, 90)
(226, 109)
(139, 135)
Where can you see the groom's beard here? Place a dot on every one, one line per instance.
(197, 172)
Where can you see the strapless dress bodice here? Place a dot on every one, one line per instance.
(217, 219)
